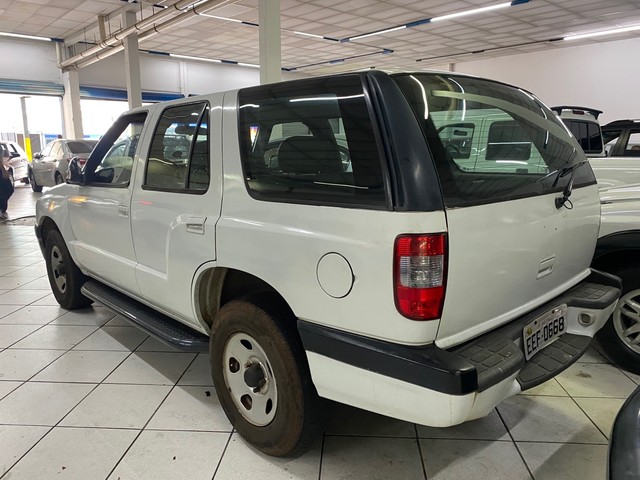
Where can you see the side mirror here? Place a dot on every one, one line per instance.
(14, 154)
(75, 175)
(37, 156)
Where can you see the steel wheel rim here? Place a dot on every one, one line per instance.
(242, 358)
(58, 179)
(58, 269)
(626, 320)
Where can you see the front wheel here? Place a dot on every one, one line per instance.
(261, 376)
(65, 277)
(58, 178)
(620, 337)
(32, 180)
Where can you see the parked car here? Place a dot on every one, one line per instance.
(624, 443)
(18, 161)
(400, 282)
(50, 166)
(618, 247)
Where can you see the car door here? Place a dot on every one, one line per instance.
(41, 165)
(99, 209)
(175, 212)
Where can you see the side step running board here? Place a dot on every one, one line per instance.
(156, 324)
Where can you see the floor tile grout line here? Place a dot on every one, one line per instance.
(321, 456)
(590, 419)
(151, 416)
(515, 444)
(422, 458)
(224, 450)
(27, 452)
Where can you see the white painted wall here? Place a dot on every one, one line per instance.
(603, 76)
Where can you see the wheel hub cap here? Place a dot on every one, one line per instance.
(626, 320)
(249, 378)
(59, 269)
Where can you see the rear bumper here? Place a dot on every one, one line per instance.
(461, 383)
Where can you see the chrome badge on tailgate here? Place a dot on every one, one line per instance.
(543, 330)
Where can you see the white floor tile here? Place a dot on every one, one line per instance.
(199, 372)
(36, 403)
(91, 316)
(10, 334)
(46, 300)
(346, 420)
(6, 387)
(9, 283)
(113, 338)
(152, 368)
(554, 461)
(548, 419)
(21, 297)
(74, 453)
(35, 271)
(172, 455)
(191, 408)
(33, 315)
(117, 406)
(487, 428)
(243, 462)
(633, 376)
(80, 366)
(7, 310)
(550, 387)
(472, 460)
(16, 440)
(370, 458)
(18, 364)
(594, 380)
(601, 411)
(54, 337)
(41, 283)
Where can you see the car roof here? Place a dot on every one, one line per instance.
(629, 123)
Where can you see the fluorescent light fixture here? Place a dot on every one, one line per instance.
(252, 65)
(221, 18)
(380, 32)
(189, 57)
(470, 12)
(29, 37)
(602, 32)
(308, 34)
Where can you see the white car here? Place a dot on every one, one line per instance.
(319, 240)
(18, 161)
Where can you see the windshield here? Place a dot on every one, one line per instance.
(491, 141)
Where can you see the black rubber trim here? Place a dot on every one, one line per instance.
(627, 240)
(474, 366)
(160, 326)
(624, 445)
(38, 231)
(426, 366)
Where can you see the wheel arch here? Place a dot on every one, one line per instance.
(618, 250)
(217, 286)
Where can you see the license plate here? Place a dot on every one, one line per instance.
(544, 330)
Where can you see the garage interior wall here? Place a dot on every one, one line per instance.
(601, 75)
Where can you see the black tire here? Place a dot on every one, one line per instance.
(267, 326)
(65, 277)
(615, 344)
(34, 186)
(58, 178)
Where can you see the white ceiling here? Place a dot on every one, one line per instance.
(516, 29)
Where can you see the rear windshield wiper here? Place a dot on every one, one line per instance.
(562, 200)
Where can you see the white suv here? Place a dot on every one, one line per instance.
(324, 238)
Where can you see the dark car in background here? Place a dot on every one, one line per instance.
(50, 166)
(622, 138)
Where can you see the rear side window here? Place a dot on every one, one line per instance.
(492, 142)
(633, 145)
(310, 142)
(179, 153)
(80, 147)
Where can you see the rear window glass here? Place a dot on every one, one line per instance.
(492, 142)
(313, 144)
(81, 147)
(587, 134)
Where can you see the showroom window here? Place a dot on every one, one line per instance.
(179, 153)
(316, 145)
(116, 152)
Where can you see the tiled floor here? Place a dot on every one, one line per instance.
(84, 395)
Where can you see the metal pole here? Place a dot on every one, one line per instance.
(25, 127)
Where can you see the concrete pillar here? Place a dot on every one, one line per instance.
(71, 105)
(132, 62)
(270, 49)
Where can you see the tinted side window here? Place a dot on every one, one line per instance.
(179, 153)
(633, 145)
(587, 134)
(111, 162)
(508, 141)
(310, 141)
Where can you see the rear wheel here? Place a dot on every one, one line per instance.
(32, 180)
(261, 376)
(65, 277)
(620, 337)
(58, 178)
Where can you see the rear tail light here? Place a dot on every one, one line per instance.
(420, 267)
